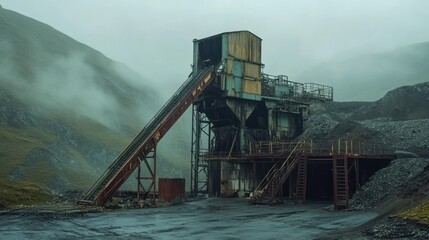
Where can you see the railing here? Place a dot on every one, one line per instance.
(348, 147)
(318, 91)
(296, 89)
(327, 147)
(270, 147)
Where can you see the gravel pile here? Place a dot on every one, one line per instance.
(398, 121)
(387, 180)
(401, 135)
(320, 122)
(397, 229)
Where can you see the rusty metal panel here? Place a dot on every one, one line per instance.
(245, 46)
(233, 81)
(252, 86)
(240, 78)
(229, 66)
(252, 71)
(171, 190)
(236, 178)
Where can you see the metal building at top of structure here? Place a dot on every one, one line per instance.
(242, 106)
(240, 55)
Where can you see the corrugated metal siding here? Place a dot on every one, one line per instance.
(246, 69)
(252, 71)
(229, 64)
(241, 53)
(251, 86)
(244, 77)
(244, 46)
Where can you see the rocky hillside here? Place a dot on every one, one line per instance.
(66, 110)
(397, 122)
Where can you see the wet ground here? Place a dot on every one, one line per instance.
(208, 219)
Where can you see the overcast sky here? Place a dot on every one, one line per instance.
(155, 37)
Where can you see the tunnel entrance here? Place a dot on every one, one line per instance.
(320, 177)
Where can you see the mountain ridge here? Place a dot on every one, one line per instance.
(66, 109)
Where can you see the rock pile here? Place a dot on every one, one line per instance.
(397, 229)
(411, 135)
(398, 121)
(398, 174)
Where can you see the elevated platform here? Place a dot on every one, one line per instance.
(301, 169)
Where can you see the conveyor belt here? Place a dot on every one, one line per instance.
(123, 166)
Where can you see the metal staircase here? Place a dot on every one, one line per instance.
(123, 166)
(271, 184)
(341, 188)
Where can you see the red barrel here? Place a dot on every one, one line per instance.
(171, 190)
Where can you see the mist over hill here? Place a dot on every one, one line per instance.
(66, 110)
(369, 77)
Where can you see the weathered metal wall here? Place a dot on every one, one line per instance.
(284, 125)
(245, 46)
(252, 71)
(171, 190)
(236, 178)
(252, 87)
(242, 65)
(241, 54)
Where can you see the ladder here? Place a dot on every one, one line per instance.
(301, 181)
(341, 183)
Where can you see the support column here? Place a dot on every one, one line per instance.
(200, 145)
(196, 136)
(254, 175)
(143, 192)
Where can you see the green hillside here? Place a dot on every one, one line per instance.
(20, 194)
(369, 77)
(66, 109)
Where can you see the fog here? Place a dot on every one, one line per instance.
(155, 37)
(64, 84)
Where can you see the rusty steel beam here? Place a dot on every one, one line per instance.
(119, 171)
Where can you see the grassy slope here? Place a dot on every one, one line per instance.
(31, 47)
(419, 214)
(36, 46)
(16, 194)
(16, 144)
